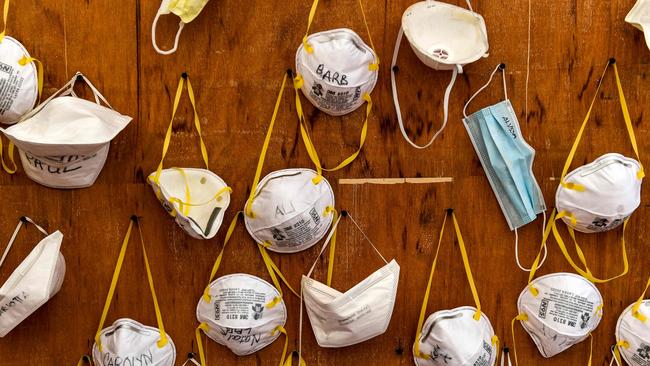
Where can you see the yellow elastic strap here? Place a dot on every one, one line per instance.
(637, 304)
(586, 272)
(199, 341)
(427, 293)
(468, 269)
(85, 359)
(521, 317)
(373, 66)
(310, 19)
(10, 155)
(197, 125)
(495, 344)
(265, 147)
(591, 348)
(39, 66)
(330, 264)
(5, 14)
(217, 263)
(628, 121)
(568, 215)
(281, 329)
(116, 275)
(535, 265)
(275, 272)
(301, 362)
(184, 208)
(617, 353)
(309, 145)
(216, 196)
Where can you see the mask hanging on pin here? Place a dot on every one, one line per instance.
(127, 340)
(64, 142)
(558, 310)
(336, 71)
(639, 17)
(459, 337)
(34, 282)
(633, 334)
(443, 37)
(289, 210)
(507, 160)
(361, 313)
(187, 10)
(240, 311)
(196, 198)
(602, 195)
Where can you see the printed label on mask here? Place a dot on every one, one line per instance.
(485, 358)
(7, 304)
(57, 164)
(334, 99)
(438, 354)
(642, 355)
(566, 308)
(239, 304)
(10, 84)
(365, 310)
(241, 336)
(301, 229)
(600, 224)
(144, 359)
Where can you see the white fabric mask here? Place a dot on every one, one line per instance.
(128, 341)
(559, 310)
(187, 10)
(361, 313)
(639, 16)
(289, 212)
(602, 195)
(459, 337)
(443, 37)
(196, 198)
(454, 337)
(19, 80)
(241, 311)
(336, 70)
(36, 280)
(64, 142)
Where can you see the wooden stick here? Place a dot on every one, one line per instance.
(427, 180)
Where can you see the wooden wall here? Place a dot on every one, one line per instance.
(236, 53)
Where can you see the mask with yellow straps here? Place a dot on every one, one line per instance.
(461, 336)
(289, 210)
(128, 341)
(633, 333)
(557, 310)
(599, 196)
(240, 311)
(196, 198)
(336, 72)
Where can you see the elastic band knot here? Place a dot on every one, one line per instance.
(298, 81)
(317, 179)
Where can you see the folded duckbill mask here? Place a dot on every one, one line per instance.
(639, 16)
(196, 198)
(443, 37)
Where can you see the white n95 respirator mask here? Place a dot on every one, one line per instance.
(128, 342)
(64, 142)
(443, 37)
(187, 10)
(196, 198)
(458, 337)
(633, 333)
(639, 16)
(361, 313)
(35, 281)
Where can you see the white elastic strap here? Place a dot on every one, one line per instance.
(367, 238)
(192, 360)
(469, 5)
(505, 355)
(517, 248)
(396, 98)
(300, 326)
(181, 25)
(505, 87)
(15, 234)
(611, 362)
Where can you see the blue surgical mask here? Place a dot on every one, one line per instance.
(506, 158)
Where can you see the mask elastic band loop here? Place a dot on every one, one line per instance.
(543, 260)
(281, 329)
(398, 110)
(628, 120)
(375, 65)
(288, 362)
(191, 359)
(39, 70)
(591, 348)
(536, 264)
(154, 25)
(197, 125)
(617, 353)
(330, 263)
(265, 147)
(586, 272)
(85, 359)
(23, 220)
(521, 317)
(217, 263)
(496, 345)
(5, 14)
(199, 341)
(310, 19)
(499, 67)
(427, 293)
(468, 269)
(10, 155)
(275, 272)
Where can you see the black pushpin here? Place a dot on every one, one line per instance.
(612, 61)
(506, 350)
(184, 75)
(450, 211)
(86, 359)
(344, 213)
(23, 219)
(290, 73)
(502, 66)
(80, 77)
(395, 68)
(134, 218)
(191, 355)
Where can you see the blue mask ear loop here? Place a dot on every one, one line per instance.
(501, 67)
